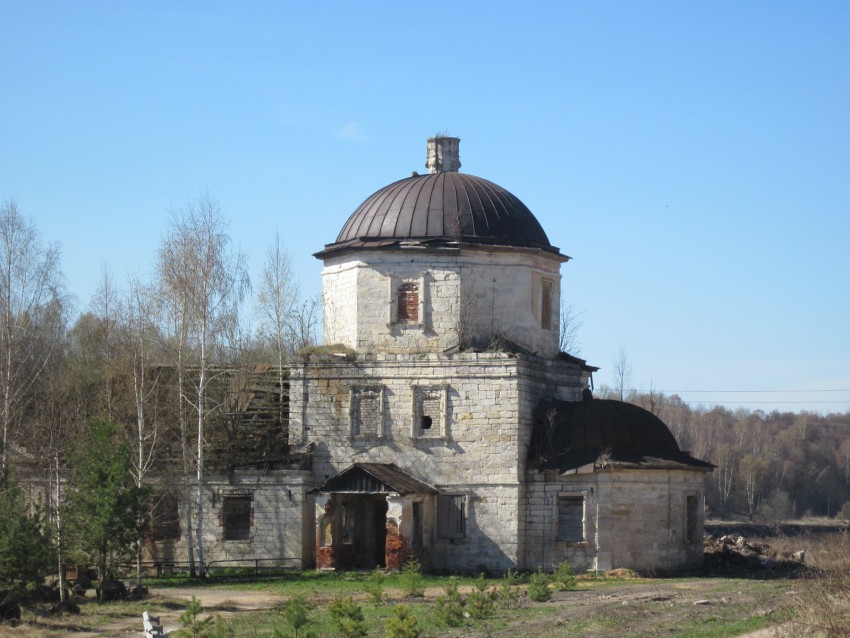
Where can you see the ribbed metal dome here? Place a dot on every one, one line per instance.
(442, 207)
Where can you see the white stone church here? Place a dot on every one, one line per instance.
(446, 423)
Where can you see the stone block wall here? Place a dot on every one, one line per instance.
(493, 530)
(543, 550)
(476, 446)
(636, 519)
(477, 429)
(464, 295)
(281, 514)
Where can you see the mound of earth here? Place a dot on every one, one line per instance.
(735, 555)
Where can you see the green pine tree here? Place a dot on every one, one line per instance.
(104, 498)
(347, 617)
(402, 623)
(26, 553)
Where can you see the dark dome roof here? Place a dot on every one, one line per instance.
(571, 434)
(439, 208)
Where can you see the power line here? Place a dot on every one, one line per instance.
(752, 391)
(768, 402)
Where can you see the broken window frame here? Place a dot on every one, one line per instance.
(570, 518)
(233, 508)
(439, 421)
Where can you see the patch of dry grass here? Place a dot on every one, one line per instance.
(821, 601)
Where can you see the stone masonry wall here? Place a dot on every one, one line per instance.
(475, 447)
(478, 428)
(469, 293)
(281, 510)
(633, 518)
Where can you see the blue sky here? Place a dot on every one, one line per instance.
(691, 157)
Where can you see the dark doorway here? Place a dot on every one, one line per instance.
(362, 531)
(380, 527)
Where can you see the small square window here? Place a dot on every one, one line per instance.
(236, 515)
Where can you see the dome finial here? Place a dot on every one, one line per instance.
(443, 154)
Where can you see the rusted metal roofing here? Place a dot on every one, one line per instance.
(375, 478)
(597, 433)
(444, 207)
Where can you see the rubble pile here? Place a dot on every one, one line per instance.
(737, 554)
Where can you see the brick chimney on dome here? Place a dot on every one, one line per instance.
(443, 155)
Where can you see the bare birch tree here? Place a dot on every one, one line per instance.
(104, 305)
(622, 369)
(50, 444)
(277, 301)
(305, 322)
(30, 289)
(207, 280)
(569, 326)
(176, 325)
(139, 317)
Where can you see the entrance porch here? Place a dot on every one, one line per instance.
(372, 515)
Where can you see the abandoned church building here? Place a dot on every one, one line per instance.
(444, 421)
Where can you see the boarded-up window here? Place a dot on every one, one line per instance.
(451, 516)
(547, 290)
(367, 412)
(408, 302)
(165, 518)
(236, 514)
(571, 518)
(691, 519)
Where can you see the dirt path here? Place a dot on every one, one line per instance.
(641, 609)
(224, 602)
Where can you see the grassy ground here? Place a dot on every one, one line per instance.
(596, 608)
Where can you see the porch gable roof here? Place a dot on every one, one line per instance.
(375, 478)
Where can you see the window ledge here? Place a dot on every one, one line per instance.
(408, 325)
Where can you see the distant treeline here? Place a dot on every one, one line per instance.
(770, 466)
